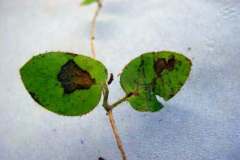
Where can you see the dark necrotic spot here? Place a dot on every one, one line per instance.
(171, 95)
(100, 158)
(189, 61)
(171, 63)
(72, 77)
(33, 95)
(110, 79)
(161, 64)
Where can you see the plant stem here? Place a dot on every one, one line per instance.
(109, 108)
(93, 28)
(116, 135)
(105, 89)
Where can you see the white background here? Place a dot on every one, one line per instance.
(200, 123)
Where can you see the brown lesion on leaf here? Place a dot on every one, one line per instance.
(161, 64)
(132, 94)
(72, 77)
(189, 61)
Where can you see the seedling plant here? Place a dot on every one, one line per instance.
(72, 84)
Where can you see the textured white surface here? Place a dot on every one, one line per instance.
(200, 123)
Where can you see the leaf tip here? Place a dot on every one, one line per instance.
(87, 2)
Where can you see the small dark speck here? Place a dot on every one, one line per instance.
(160, 120)
(82, 142)
(54, 130)
(189, 48)
(100, 158)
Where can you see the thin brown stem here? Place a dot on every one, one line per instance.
(123, 99)
(108, 106)
(93, 28)
(105, 88)
(105, 97)
(116, 135)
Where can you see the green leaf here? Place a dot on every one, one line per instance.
(64, 83)
(87, 2)
(156, 73)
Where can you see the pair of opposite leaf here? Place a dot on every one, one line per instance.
(71, 84)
